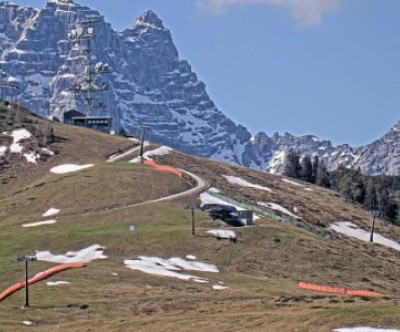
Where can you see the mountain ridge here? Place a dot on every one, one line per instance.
(149, 83)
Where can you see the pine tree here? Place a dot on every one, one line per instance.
(322, 179)
(292, 165)
(359, 191)
(370, 201)
(315, 165)
(306, 169)
(344, 187)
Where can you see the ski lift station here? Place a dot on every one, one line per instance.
(101, 123)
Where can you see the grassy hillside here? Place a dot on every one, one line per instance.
(261, 270)
(69, 144)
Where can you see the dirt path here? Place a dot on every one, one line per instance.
(200, 186)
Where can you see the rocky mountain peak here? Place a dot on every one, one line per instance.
(149, 19)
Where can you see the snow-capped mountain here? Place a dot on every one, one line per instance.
(379, 157)
(149, 84)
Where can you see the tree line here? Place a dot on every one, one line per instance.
(380, 194)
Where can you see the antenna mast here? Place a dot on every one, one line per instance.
(90, 84)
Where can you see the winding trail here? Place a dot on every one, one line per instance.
(200, 186)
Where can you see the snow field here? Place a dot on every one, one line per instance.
(222, 233)
(57, 283)
(51, 212)
(85, 255)
(40, 223)
(219, 286)
(352, 230)
(277, 207)
(69, 168)
(31, 157)
(171, 267)
(244, 183)
(161, 151)
(296, 184)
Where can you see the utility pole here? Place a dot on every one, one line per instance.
(26, 259)
(144, 128)
(374, 214)
(193, 222)
(192, 208)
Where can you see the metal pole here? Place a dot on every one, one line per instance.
(26, 286)
(373, 228)
(193, 223)
(371, 239)
(142, 143)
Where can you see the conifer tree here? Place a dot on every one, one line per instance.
(292, 165)
(315, 165)
(370, 201)
(306, 169)
(322, 176)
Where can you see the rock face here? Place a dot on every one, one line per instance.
(379, 157)
(150, 84)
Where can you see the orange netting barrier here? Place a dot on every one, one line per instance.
(328, 289)
(40, 276)
(163, 168)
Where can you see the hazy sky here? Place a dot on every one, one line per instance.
(325, 67)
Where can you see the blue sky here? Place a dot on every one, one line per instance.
(325, 67)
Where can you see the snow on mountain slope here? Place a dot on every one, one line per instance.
(150, 84)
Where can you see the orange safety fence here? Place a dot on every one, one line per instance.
(163, 168)
(38, 277)
(328, 289)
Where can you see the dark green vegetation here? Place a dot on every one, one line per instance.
(375, 193)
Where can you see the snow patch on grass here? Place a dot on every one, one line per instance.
(214, 190)
(47, 151)
(352, 230)
(51, 212)
(57, 283)
(31, 157)
(294, 183)
(222, 233)
(170, 267)
(244, 183)
(219, 286)
(161, 151)
(206, 198)
(277, 207)
(85, 255)
(18, 135)
(40, 223)
(191, 257)
(69, 168)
